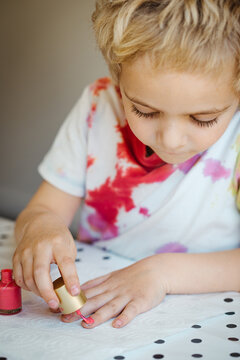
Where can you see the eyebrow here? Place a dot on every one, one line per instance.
(205, 112)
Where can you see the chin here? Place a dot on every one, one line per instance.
(175, 159)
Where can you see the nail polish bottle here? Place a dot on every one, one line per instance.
(68, 303)
(10, 294)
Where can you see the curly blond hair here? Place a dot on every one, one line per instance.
(193, 35)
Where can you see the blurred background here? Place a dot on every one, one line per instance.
(47, 56)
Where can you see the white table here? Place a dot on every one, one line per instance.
(216, 338)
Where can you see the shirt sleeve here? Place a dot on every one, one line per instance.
(64, 166)
(237, 181)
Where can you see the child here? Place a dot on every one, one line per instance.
(152, 158)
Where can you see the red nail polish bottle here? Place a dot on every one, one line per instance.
(10, 294)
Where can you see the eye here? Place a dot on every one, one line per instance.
(201, 123)
(142, 114)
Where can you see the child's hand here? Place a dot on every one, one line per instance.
(46, 240)
(123, 293)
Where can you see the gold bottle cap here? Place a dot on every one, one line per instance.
(68, 303)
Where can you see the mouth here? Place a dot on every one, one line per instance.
(173, 153)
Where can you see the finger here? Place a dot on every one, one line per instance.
(55, 310)
(91, 283)
(27, 271)
(108, 311)
(100, 287)
(131, 310)
(68, 270)
(17, 273)
(70, 317)
(98, 290)
(90, 307)
(27, 265)
(43, 280)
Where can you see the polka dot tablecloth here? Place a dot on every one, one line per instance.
(215, 338)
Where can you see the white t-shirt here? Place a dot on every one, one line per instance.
(133, 203)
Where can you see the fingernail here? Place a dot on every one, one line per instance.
(118, 323)
(67, 317)
(53, 304)
(86, 324)
(74, 290)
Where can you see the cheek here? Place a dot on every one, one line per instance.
(206, 137)
(204, 141)
(141, 128)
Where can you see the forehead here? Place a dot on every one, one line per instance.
(166, 86)
(147, 66)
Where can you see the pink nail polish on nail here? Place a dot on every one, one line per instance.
(52, 304)
(67, 317)
(118, 323)
(88, 321)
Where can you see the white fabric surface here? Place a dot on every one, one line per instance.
(36, 333)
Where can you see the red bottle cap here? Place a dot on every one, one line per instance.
(10, 294)
(6, 276)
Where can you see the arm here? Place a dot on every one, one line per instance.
(48, 199)
(201, 273)
(43, 237)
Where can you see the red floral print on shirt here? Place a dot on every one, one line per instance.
(90, 161)
(91, 115)
(100, 84)
(115, 194)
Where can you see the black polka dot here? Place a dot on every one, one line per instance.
(233, 339)
(119, 357)
(236, 355)
(231, 326)
(196, 341)
(80, 249)
(106, 257)
(228, 300)
(3, 236)
(230, 313)
(77, 260)
(196, 326)
(3, 358)
(159, 341)
(104, 248)
(158, 356)
(197, 356)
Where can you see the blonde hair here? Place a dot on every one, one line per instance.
(195, 35)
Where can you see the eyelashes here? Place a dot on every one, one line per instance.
(141, 114)
(208, 123)
(151, 115)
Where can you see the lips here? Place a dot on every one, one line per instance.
(172, 153)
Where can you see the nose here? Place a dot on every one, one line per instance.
(171, 135)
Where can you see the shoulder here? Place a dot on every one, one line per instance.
(104, 90)
(104, 85)
(236, 150)
(106, 101)
(102, 97)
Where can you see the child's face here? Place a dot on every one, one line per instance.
(177, 114)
